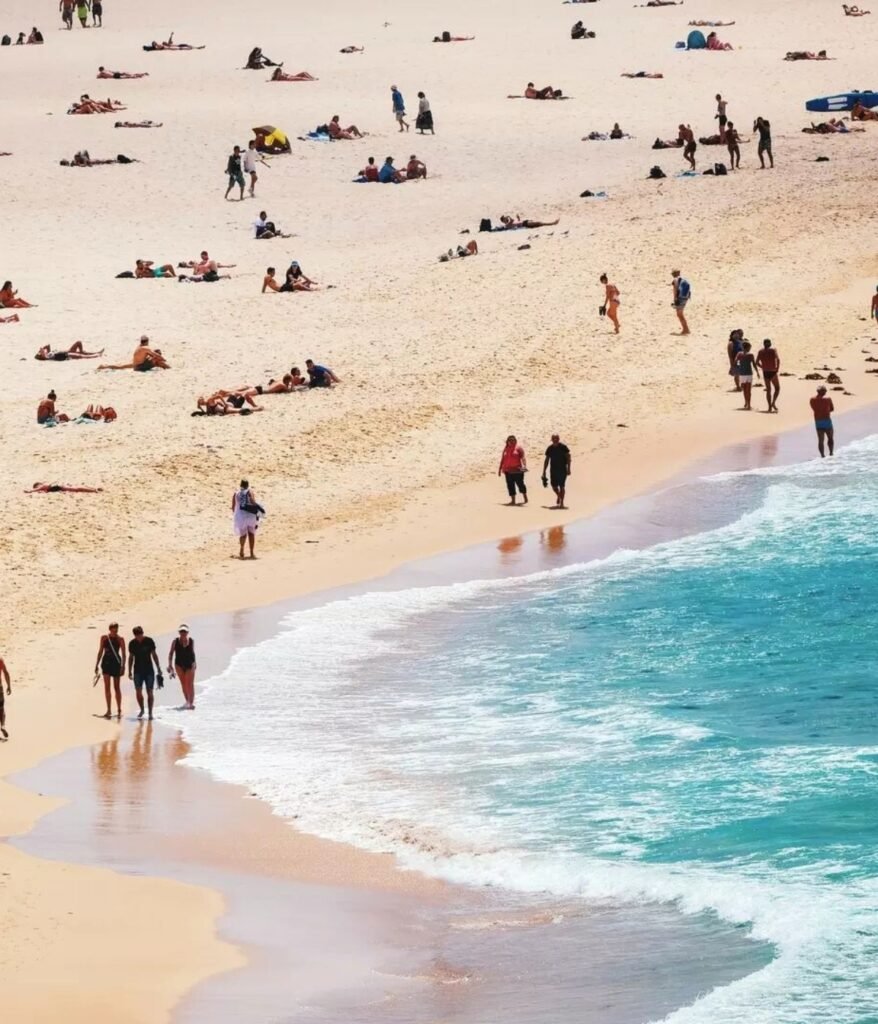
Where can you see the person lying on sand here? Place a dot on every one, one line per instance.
(9, 298)
(337, 132)
(513, 223)
(40, 488)
(861, 113)
(84, 159)
(103, 73)
(352, 49)
(99, 413)
(852, 11)
(282, 76)
(171, 45)
(208, 277)
(642, 74)
(470, 249)
(273, 387)
(14, 319)
(214, 406)
(834, 126)
(257, 61)
(546, 93)
(138, 124)
(807, 55)
(715, 43)
(86, 105)
(447, 37)
(660, 3)
(712, 24)
(204, 264)
(76, 351)
(667, 143)
(144, 359)
(146, 268)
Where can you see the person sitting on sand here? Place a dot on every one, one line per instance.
(415, 168)
(807, 55)
(852, 11)
(511, 223)
(143, 360)
(389, 174)
(76, 351)
(291, 284)
(171, 45)
(264, 228)
(146, 268)
(103, 73)
(282, 76)
(320, 376)
(35, 37)
(642, 74)
(579, 31)
(9, 298)
(861, 113)
(352, 49)
(447, 37)
(138, 124)
(298, 279)
(370, 171)
(257, 61)
(616, 132)
(41, 488)
(546, 93)
(715, 43)
(47, 415)
(337, 132)
(470, 249)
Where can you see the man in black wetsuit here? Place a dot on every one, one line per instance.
(557, 462)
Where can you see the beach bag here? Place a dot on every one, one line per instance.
(656, 172)
(684, 291)
(322, 129)
(719, 169)
(6, 41)
(125, 273)
(122, 159)
(485, 224)
(251, 507)
(446, 37)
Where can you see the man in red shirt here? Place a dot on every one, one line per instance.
(823, 410)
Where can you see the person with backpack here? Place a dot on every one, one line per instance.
(245, 517)
(110, 663)
(682, 294)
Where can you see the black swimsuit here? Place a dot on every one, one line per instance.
(184, 657)
(111, 660)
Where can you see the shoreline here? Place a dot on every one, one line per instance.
(517, 556)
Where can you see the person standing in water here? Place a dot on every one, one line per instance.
(745, 362)
(4, 677)
(822, 407)
(141, 658)
(611, 302)
(682, 294)
(245, 517)
(513, 465)
(181, 659)
(110, 663)
(768, 361)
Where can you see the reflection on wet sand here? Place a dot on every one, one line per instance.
(554, 540)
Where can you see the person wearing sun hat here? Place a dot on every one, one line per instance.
(181, 660)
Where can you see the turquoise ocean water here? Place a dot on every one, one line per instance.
(694, 724)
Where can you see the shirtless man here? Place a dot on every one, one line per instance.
(171, 45)
(145, 268)
(66, 9)
(415, 168)
(103, 73)
(874, 312)
(768, 360)
(144, 358)
(205, 264)
(76, 351)
(509, 223)
(611, 302)
(281, 76)
(720, 116)
(4, 677)
(823, 409)
(687, 137)
(548, 93)
(861, 113)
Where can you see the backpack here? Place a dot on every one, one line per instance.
(656, 172)
(684, 291)
(6, 41)
(122, 159)
(719, 169)
(485, 224)
(322, 129)
(446, 37)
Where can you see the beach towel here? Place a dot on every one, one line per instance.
(687, 174)
(315, 137)
(696, 41)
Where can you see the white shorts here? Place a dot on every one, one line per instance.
(748, 379)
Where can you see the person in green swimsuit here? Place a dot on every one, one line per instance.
(82, 8)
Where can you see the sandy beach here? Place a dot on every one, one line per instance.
(438, 361)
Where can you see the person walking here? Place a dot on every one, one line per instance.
(110, 663)
(682, 294)
(141, 658)
(513, 465)
(874, 312)
(764, 146)
(251, 157)
(97, 14)
(745, 363)
(234, 171)
(611, 302)
(822, 407)
(181, 659)
(558, 463)
(424, 121)
(720, 116)
(82, 7)
(399, 108)
(66, 9)
(245, 517)
(4, 677)
(768, 361)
